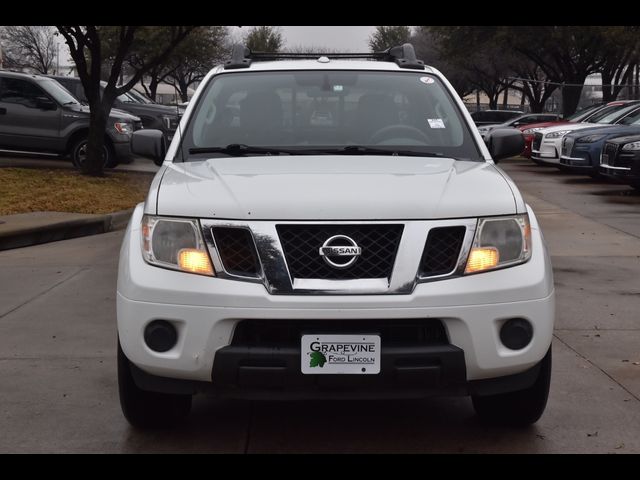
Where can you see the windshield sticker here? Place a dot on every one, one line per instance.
(436, 123)
(427, 80)
(338, 88)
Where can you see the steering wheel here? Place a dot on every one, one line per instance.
(401, 131)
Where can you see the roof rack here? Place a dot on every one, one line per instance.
(403, 55)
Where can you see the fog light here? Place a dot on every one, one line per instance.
(160, 336)
(516, 333)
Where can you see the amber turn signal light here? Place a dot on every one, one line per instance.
(482, 259)
(194, 261)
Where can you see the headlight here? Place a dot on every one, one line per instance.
(590, 139)
(559, 134)
(632, 146)
(122, 127)
(531, 131)
(175, 243)
(500, 242)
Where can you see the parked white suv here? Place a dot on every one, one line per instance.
(324, 228)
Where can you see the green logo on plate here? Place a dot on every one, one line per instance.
(317, 360)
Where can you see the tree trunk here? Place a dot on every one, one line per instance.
(505, 98)
(97, 127)
(478, 100)
(570, 99)
(184, 90)
(607, 89)
(153, 88)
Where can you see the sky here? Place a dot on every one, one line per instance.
(353, 39)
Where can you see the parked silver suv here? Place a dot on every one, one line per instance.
(37, 114)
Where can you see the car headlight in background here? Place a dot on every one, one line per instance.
(175, 243)
(632, 146)
(590, 139)
(531, 131)
(500, 242)
(559, 134)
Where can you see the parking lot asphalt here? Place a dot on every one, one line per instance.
(58, 343)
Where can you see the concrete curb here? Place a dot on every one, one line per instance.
(64, 230)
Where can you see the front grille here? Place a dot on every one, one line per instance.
(611, 150)
(567, 146)
(442, 251)
(623, 160)
(288, 333)
(301, 245)
(537, 141)
(237, 251)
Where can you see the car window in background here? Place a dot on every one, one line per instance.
(580, 115)
(58, 92)
(614, 115)
(632, 119)
(20, 92)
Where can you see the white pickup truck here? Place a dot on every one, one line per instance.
(332, 228)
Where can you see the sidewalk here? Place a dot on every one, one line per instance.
(27, 229)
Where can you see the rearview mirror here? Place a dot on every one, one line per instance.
(504, 143)
(149, 144)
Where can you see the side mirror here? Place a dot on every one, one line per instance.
(149, 144)
(504, 143)
(45, 103)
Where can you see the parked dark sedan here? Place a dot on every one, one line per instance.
(581, 149)
(620, 159)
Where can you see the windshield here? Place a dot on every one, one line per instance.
(580, 115)
(138, 97)
(58, 92)
(323, 111)
(632, 119)
(612, 116)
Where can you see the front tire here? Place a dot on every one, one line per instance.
(144, 409)
(79, 154)
(520, 408)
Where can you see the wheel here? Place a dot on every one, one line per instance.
(79, 154)
(145, 409)
(520, 408)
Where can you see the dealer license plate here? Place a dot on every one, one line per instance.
(340, 354)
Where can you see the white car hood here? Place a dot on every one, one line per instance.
(333, 188)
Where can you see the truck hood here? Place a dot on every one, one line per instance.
(115, 113)
(333, 188)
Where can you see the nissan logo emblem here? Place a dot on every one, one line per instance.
(340, 251)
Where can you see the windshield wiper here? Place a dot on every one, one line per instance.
(361, 150)
(238, 150)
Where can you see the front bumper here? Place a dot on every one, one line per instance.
(548, 152)
(579, 160)
(207, 310)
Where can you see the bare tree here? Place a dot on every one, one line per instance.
(29, 47)
(389, 36)
(264, 39)
(87, 44)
